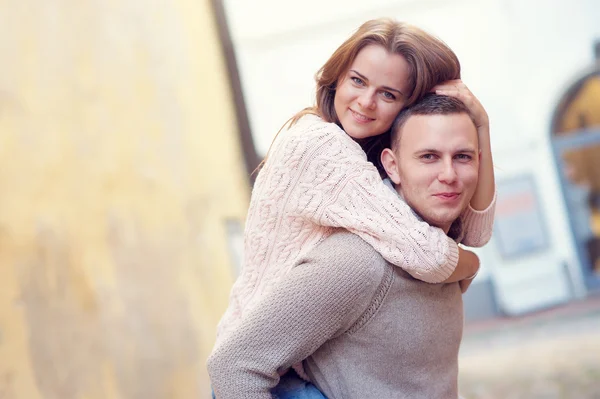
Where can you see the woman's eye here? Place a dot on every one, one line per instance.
(356, 80)
(388, 95)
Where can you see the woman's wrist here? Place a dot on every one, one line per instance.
(473, 276)
(483, 132)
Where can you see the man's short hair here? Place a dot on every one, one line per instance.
(431, 104)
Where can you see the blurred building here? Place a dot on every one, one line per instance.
(124, 191)
(534, 68)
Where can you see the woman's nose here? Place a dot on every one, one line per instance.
(367, 100)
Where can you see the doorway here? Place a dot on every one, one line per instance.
(576, 145)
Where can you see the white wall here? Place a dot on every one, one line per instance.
(518, 57)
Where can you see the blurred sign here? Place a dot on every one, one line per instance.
(518, 227)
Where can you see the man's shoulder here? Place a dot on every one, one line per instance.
(344, 251)
(356, 270)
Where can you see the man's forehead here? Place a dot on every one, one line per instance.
(438, 131)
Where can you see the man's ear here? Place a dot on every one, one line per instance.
(390, 164)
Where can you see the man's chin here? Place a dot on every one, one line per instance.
(442, 221)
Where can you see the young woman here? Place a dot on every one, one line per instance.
(317, 178)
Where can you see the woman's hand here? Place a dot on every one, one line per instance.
(464, 284)
(457, 89)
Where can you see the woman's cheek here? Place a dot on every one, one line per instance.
(391, 111)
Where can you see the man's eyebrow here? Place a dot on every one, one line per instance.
(427, 150)
(363, 77)
(459, 151)
(467, 151)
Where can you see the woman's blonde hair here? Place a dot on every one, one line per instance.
(430, 62)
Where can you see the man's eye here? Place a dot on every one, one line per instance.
(464, 157)
(428, 156)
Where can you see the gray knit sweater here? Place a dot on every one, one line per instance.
(364, 328)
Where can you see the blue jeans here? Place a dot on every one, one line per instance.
(293, 387)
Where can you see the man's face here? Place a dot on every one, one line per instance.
(435, 166)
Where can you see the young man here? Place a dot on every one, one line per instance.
(361, 327)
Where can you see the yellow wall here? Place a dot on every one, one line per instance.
(119, 166)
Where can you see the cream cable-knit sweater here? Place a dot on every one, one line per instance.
(315, 179)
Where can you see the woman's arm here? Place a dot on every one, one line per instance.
(478, 225)
(468, 267)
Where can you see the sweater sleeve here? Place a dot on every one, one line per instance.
(338, 187)
(317, 300)
(478, 225)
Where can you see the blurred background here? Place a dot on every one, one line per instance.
(128, 132)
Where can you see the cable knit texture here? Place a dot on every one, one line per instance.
(317, 179)
(364, 328)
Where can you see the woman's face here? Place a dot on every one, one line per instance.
(372, 92)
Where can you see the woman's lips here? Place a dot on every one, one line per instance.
(360, 118)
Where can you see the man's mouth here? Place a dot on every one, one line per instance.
(360, 118)
(447, 196)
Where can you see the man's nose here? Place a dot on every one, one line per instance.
(448, 173)
(367, 100)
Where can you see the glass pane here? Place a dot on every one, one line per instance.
(582, 172)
